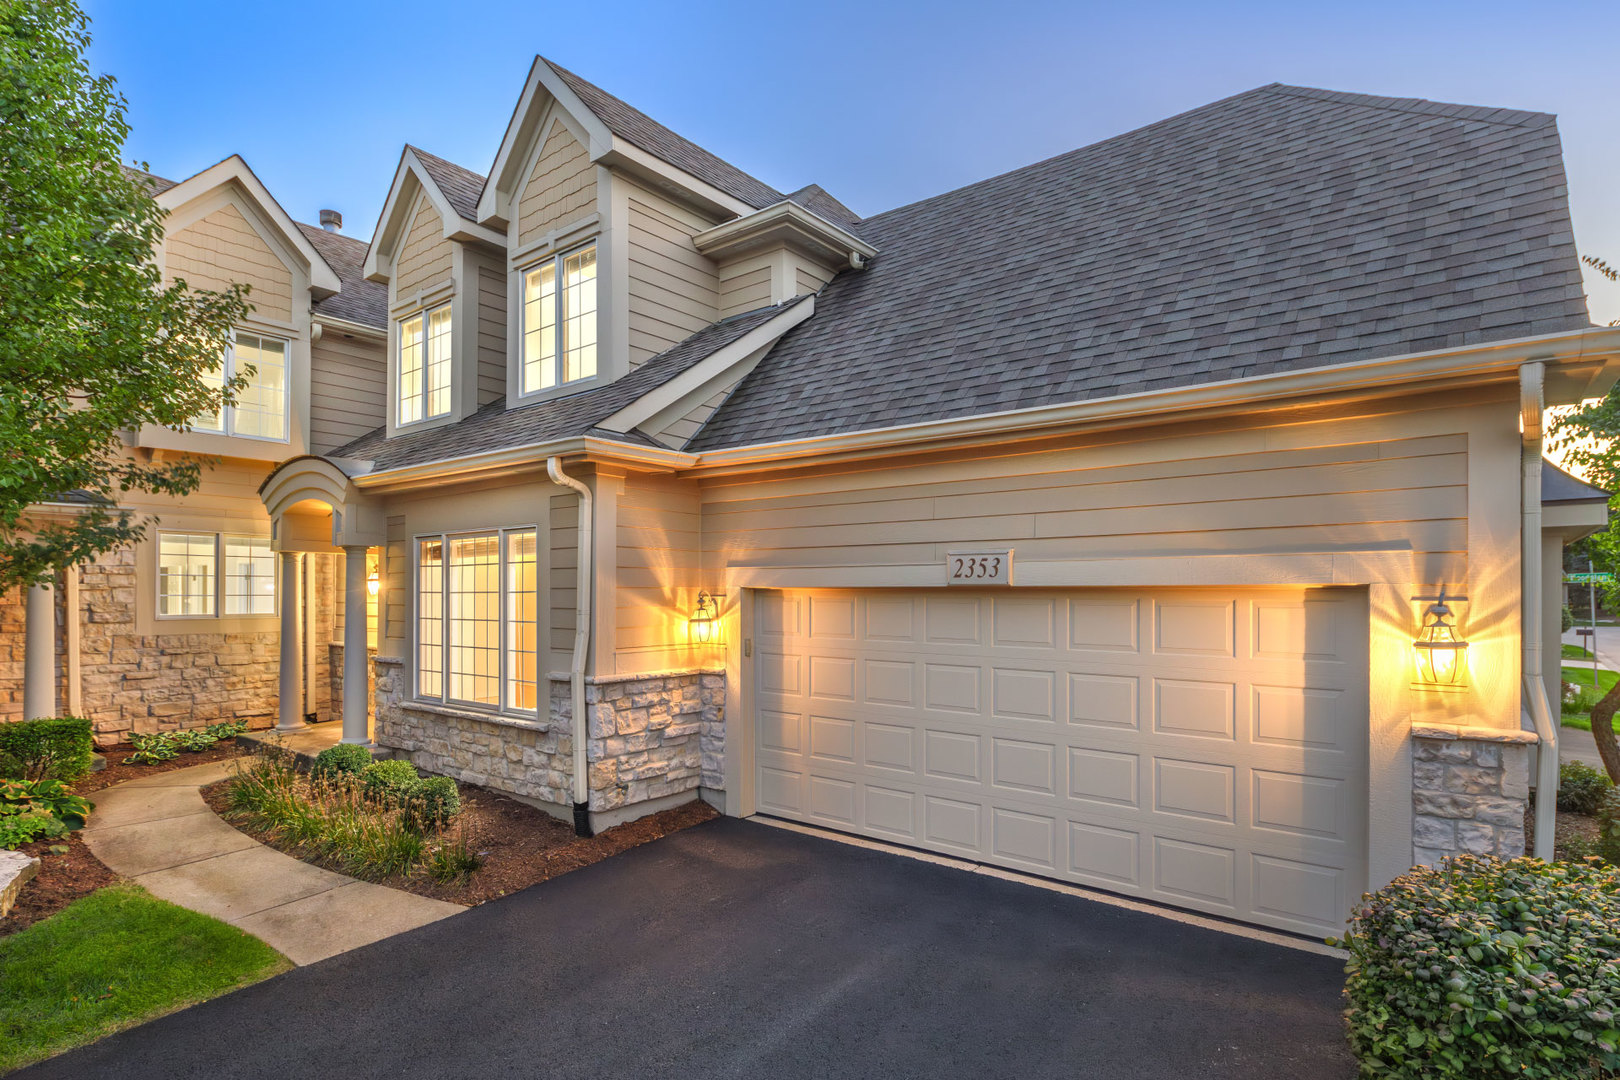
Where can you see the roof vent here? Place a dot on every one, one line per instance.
(331, 220)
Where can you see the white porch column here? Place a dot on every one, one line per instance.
(39, 651)
(292, 646)
(356, 722)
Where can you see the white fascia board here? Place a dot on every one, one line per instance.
(712, 367)
(234, 168)
(522, 130)
(378, 266)
(786, 217)
(1596, 349)
(532, 455)
(634, 160)
(348, 326)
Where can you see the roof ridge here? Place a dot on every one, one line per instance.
(1488, 114)
(419, 152)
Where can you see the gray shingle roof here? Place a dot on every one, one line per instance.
(817, 200)
(155, 184)
(1280, 229)
(360, 301)
(495, 427)
(637, 128)
(1558, 486)
(460, 186)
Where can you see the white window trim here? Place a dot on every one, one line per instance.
(227, 413)
(555, 258)
(505, 707)
(219, 611)
(424, 313)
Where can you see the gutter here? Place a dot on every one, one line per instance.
(582, 643)
(1531, 403)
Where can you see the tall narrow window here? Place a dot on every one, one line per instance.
(559, 320)
(186, 573)
(260, 411)
(250, 576)
(478, 619)
(522, 623)
(430, 618)
(424, 365)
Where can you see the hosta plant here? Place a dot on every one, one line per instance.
(50, 797)
(1486, 969)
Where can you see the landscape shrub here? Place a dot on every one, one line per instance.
(452, 859)
(345, 759)
(1581, 788)
(50, 797)
(1486, 969)
(160, 746)
(1608, 815)
(19, 829)
(49, 748)
(389, 782)
(432, 801)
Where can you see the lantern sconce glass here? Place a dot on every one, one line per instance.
(705, 621)
(1440, 652)
(373, 583)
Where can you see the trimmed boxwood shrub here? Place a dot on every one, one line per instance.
(389, 781)
(432, 801)
(1485, 969)
(1581, 788)
(49, 748)
(345, 759)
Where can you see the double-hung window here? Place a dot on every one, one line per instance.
(477, 625)
(260, 411)
(424, 365)
(559, 320)
(206, 574)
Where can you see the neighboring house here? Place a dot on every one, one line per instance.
(1080, 521)
(183, 628)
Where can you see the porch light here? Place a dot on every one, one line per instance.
(373, 583)
(702, 624)
(1439, 650)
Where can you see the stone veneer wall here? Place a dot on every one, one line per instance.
(1470, 790)
(332, 707)
(650, 736)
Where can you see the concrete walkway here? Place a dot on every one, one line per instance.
(158, 832)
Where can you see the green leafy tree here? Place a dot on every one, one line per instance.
(1589, 438)
(92, 342)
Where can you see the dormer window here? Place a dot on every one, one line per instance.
(559, 320)
(260, 411)
(424, 365)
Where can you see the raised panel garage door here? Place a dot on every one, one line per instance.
(1205, 749)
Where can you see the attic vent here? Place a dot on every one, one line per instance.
(331, 220)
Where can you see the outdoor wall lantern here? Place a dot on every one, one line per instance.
(1440, 652)
(705, 619)
(373, 583)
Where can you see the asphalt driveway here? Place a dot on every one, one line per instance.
(735, 949)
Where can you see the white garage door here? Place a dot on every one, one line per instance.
(1205, 749)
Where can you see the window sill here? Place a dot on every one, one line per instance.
(525, 723)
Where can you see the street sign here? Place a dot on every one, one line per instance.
(1589, 579)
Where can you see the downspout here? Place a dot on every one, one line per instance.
(1531, 401)
(582, 643)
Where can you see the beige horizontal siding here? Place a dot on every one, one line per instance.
(564, 579)
(425, 257)
(491, 335)
(348, 389)
(223, 249)
(561, 188)
(674, 290)
(680, 431)
(744, 290)
(810, 277)
(658, 554)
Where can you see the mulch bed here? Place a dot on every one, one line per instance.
(1575, 831)
(62, 879)
(117, 772)
(519, 844)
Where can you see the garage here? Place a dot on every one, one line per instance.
(1201, 748)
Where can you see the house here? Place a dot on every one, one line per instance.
(183, 629)
(1167, 517)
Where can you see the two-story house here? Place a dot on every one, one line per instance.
(1090, 521)
(185, 627)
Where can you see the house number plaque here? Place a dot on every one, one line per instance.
(979, 567)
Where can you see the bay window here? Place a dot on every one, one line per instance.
(559, 320)
(260, 411)
(424, 365)
(477, 640)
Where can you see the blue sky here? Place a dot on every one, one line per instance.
(881, 103)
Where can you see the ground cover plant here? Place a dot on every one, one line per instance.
(49, 748)
(113, 959)
(167, 745)
(1484, 969)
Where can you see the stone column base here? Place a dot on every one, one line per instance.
(1470, 791)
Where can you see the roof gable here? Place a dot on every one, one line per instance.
(1277, 230)
(450, 188)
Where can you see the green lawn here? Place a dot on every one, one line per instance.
(1573, 715)
(1576, 652)
(116, 958)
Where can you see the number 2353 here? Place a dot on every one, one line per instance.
(977, 567)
